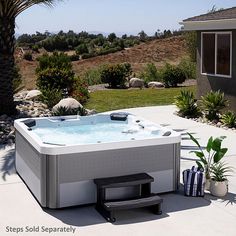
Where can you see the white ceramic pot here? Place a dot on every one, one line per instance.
(219, 189)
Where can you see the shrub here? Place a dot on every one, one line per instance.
(115, 75)
(51, 96)
(93, 76)
(187, 104)
(189, 68)
(28, 56)
(35, 48)
(229, 119)
(150, 73)
(172, 75)
(80, 91)
(191, 43)
(55, 72)
(81, 49)
(212, 103)
(87, 55)
(65, 111)
(109, 50)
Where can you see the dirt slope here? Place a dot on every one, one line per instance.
(160, 51)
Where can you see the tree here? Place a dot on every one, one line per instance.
(111, 37)
(9, 10)
(143, 36)
(191, 43)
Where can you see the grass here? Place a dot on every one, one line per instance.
(107, 100)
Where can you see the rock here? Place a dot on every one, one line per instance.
(70, 103)
(33, 94)
(91, 112)
(155, 84)
(136, 83)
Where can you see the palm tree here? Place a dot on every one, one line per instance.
(9, 10)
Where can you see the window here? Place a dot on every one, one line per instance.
(216, 53)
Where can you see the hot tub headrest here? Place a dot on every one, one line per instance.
(120, 116)
(167, 133)
(30, 122)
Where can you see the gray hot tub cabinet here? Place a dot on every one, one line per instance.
(66, 180)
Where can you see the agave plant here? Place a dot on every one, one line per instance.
(220, 171)
(213, 103)
(187, 104)
(9, 10)
(229, 119)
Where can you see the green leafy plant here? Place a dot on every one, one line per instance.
(116, 75)
(191, 44)
(212, 155)
(80, 91)
(172, 75)
(55, 72)
(220, 171)
(189, 68)
(229, 119)
(150, 73)
(186, 104)
(93, 76)
(212, 104)
(65, 111)
(50, 96)
(82, 49)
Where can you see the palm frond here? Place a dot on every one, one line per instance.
(12, 8)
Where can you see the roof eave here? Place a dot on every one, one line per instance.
(223, 24)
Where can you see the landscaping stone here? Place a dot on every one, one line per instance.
(25, 108)
(91, 112)
(33, 94)
(69, 103)
(155, 84)
(136, 83)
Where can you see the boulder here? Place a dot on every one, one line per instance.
(69, 103)
(33, 94)
(155, 84)
(136, 83)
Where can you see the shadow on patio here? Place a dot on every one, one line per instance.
(84, 216)
(7, 161)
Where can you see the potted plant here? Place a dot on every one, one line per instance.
(211, 155)
(219, 182)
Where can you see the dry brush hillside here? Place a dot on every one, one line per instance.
(159, 51)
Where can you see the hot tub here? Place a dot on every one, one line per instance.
(58, 158)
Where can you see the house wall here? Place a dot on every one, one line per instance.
(206, 83)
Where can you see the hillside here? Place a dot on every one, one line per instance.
(159, 51)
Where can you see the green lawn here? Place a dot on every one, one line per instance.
(107, 100)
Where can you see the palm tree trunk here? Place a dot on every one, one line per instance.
(7, 64)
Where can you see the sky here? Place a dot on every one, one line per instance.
(119, 16)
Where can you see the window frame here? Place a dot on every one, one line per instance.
(216, 51)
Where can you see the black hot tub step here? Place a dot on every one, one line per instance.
(152, 200)
(124, 181)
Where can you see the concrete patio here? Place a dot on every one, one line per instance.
(181, 215)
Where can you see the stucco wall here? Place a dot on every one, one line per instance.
(207, 83)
